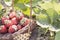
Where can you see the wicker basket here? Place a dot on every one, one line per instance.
(22, 34)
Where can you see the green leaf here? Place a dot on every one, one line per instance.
(46, 5)
(52, 14)
(42, 18)
(56, 23)
(54, 1)
(2, 11)
(16, 1)
(57, 37)
(27, 12)
(21, 1)
(35, 2)
(7, 0)
(37, 10)
(43, 11)
(20, 6)
(1, 6)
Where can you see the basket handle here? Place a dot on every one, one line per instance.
(30, 16)
(12, 5)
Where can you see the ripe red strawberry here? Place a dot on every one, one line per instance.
(3, 29)
(12, 29)
(12, 14)
(4, 18)
(14, 20)
(19, 27)
(19, 16)
(8, 23)
(24, 21)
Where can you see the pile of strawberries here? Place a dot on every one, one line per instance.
(13, 22)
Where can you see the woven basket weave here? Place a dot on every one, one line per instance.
(23, 34)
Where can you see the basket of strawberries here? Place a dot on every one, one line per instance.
(15, 26)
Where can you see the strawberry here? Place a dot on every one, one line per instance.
(24, 21)
(12, 14)
(19, 27)
(12, 29)
(4, 18)
(8, 23)
(14, 20)
(19, 16)
(3, 29)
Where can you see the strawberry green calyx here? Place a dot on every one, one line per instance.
(14, 27)
(23, 21)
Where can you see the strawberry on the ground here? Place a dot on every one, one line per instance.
(19, 27)
(3, 29)
(12, 14)
(8, 23)
(12, 29)
(4, 18)
(24, 21)
(14, 20)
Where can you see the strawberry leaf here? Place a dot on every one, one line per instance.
(57, 37)
(27, 12)
(52, 14)
(21, 6)
(42, 18)
(1, 6)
